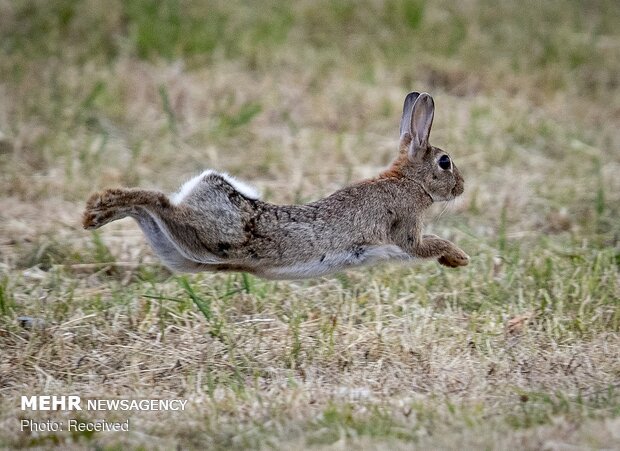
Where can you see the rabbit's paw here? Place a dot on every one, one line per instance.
(93, 218)
(102, 208)
(454, 258)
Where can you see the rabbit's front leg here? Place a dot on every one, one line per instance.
(446, 252)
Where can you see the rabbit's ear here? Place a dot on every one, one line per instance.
(405, 120)
(422, 120)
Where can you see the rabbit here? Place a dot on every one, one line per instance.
(217, 223)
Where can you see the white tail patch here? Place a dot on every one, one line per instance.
(245, 189)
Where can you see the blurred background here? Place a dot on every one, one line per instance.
(300, 98)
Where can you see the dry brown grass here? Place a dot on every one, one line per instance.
(520, 349)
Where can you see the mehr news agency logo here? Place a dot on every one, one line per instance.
(75, 403)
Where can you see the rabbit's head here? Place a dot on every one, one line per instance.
(431, 167)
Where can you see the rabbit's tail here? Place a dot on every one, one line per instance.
(188, 187)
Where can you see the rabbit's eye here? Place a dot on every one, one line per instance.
(444, 162)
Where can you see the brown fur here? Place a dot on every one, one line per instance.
(217, 226)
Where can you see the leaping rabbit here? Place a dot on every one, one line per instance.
(217, 223)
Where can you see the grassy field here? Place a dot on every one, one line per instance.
(521, 349)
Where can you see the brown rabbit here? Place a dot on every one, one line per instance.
(216, 223)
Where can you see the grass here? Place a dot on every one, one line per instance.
(301, 98)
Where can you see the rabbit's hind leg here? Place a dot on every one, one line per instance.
(186, 229)
(141, 205)
(117, 203)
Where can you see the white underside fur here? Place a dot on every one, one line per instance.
(245, 189)
(337, 262)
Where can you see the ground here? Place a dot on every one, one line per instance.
(518, 349)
